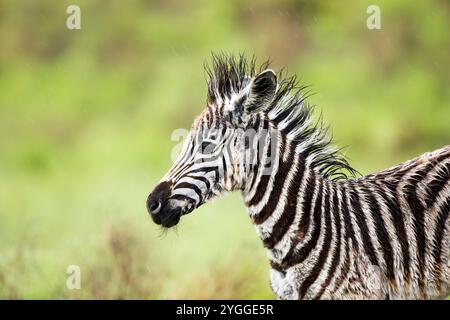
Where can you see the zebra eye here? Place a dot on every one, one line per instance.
(208, 146)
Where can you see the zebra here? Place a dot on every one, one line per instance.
(330, 233)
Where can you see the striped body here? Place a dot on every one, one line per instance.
(385, 235)
(329, 234)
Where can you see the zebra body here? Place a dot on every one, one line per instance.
(328, 235)
(374, 237)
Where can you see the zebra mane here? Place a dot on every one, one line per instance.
(289, 111)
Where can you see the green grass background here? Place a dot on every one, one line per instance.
(86, 118)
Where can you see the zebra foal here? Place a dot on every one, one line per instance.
(329, 235)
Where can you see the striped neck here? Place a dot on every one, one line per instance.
(274, 190)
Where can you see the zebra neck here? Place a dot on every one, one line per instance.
(279, 201)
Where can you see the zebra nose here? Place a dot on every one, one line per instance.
(154, 203)
(156, 199)
(154, 207)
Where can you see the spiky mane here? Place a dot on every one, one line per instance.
(228, 74)
(289, 111)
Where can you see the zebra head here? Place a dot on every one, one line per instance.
(216, 152)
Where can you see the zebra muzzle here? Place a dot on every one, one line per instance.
(158, 207)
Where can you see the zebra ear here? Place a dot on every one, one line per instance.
(261, 92)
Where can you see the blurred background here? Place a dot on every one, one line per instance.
(86, 118)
